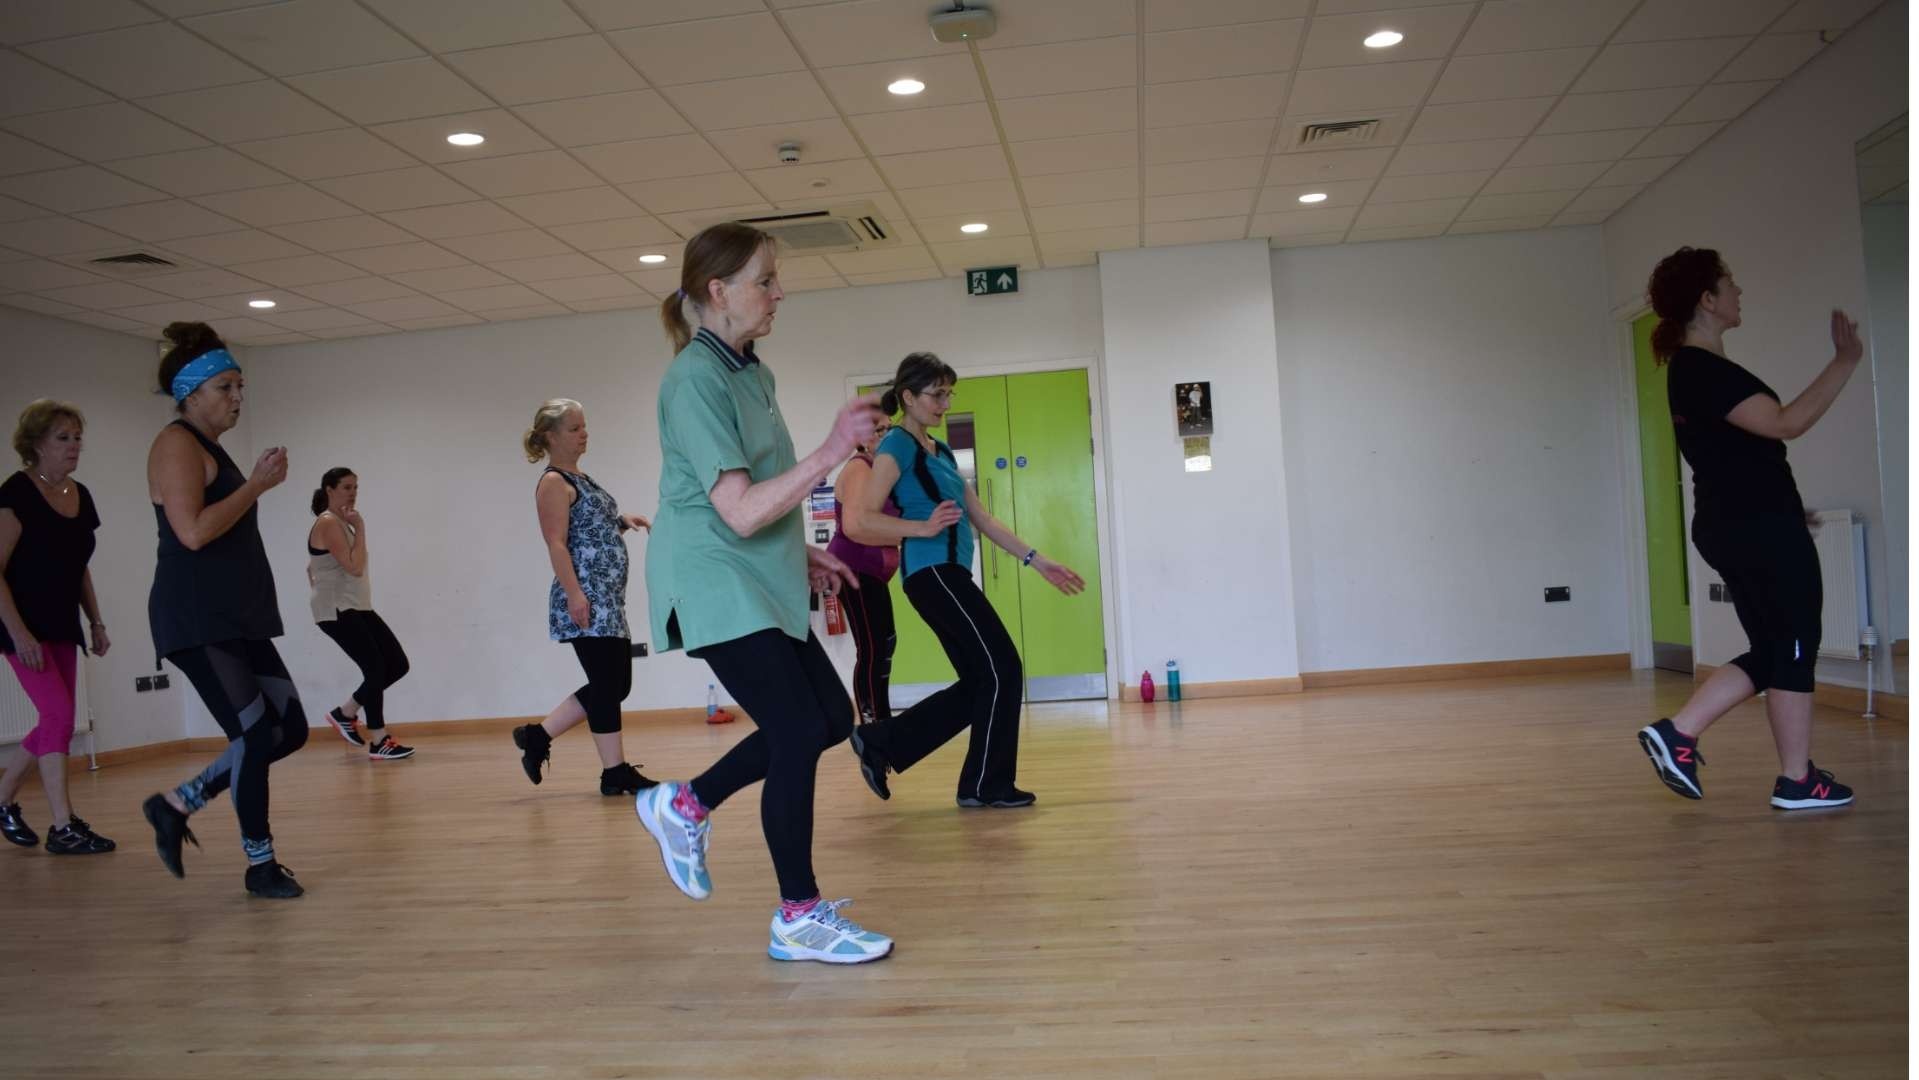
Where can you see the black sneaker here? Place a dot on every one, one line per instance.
(1010, 799)
(1816, 790)
(873, 766)
(345, 727)
(78, 838)
(15, 828)
(388, 750)
(536, 749)
(1674, 757)
(623, 779)
(170, 833)
(272, 881)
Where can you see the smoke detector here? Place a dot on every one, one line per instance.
(962, 24)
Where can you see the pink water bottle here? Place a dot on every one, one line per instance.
(1146, 686)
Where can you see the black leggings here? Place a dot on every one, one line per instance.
(369, 642)
(246, 688)
(608, 662)
(987, 695)
(792, 693)
(1772, 568)
(869, 609)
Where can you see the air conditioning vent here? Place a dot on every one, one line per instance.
(858, 227)
(127, 265)
(1336, 134)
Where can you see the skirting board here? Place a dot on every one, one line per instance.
(1850, 699)
(1242, 688)
(1488, 669)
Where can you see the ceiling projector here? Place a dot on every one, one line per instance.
(962, 24)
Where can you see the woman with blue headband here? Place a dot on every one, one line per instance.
(213, 608)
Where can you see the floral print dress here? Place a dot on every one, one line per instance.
(599, 561)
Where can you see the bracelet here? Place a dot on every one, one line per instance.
(96, 625)
(1030, 556)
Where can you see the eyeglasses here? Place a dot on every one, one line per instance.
(944, 397)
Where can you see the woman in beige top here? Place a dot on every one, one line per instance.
(343, 607)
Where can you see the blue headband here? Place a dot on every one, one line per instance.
(201, 368)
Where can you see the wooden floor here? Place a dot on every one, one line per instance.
(1455, 880)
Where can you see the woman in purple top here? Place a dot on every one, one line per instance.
(869, 543)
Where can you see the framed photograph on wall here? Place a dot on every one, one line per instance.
(1193, 405)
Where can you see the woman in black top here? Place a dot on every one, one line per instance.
(47, 520)
(1748, 523)
(213, 608)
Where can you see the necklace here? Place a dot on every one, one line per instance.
(64, 488)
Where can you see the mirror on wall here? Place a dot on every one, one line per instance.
(1883, 200)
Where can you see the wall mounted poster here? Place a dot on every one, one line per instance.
(1193, 404)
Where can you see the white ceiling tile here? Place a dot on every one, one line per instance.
(567, 207)
(830, 181)
(956, 258)
(241, 330)
(1243, 49)
(198, 172)
(1579, 219)
(107, 294)
(451, 278)
(161, 221)
(1284, 198)
(1187, 14)
(1773, 56)
(751, 102)
(322, 154)
(664, 282)
(1091, 215)
(194, 284)
(369, 330)
(1824, 15)
(1363, 87)
(103, 132)
(1659, 20)
(450, 25)
(523, 174)
(154, 316)
(940, 167)
(1198, 205)
(281, 205)
(405, 307)
(1583, 146)
(689, 222)
(356, 290)
(1517, 204)
(397, 90)
(1203, 231)
(1604, 200)
(1722, 101)
(505, 135)
(15, 210)
(1621, 109)
(841, 34)
(1675, 139)
(548, 267)
(491, 247)
(1199, 142)
(57, 236)
(17, 155)
(1572, 177)
(538, 311)
(304, 35)
(1519, 25)
(620, 14)
(1452, 157)
(1642, 65)
(28, 86)
(548, 70)
(636, 231)
(1060, 20)
(1463, 227)
(397, 258)
(1336, 40)
(758, 147)
(652, 159)
(315, 319)
(1080, 153)
(42, 274)
(401, 189)
(139, 61)
(1637, 171)
(691, 192)
(861, 88)
(287, 338)
(1330, 165)
(596, 287)
(1423, 212)
(962, 198)
(1544, 73)
(1098, 185)
(945, 128)
(685, 52)
(1302, 222)
(437, 322)
(1429, 186)
(1063, 69)
(461, 219)
(604, 118)
(1077, 241)
(41, 304)
(1244, 97)
(34, 20)
(227, 248)
(494, 298)
(1187, 177)
(343, 234)
(1475, 120)
(627, 259)
(999, 223)
(303, 272)
(1059, 115)
(262, 110)
(78, 187)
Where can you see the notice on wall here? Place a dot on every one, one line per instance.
(1199, 453)
(1193, 406)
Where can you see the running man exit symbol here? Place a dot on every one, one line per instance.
(992, 281)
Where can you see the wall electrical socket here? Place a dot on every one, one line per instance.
(1719, 593)
(639, 648)
(161, 682)
(142, 683)
(1558, 594)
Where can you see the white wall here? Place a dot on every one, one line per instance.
(1450, 449)
(1776, 193)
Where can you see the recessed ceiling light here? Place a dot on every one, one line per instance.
(261, 303)
(1385, 39)
(973, 227)
(653, 258)
(1313, 196)
(466, 138)
(905, 87)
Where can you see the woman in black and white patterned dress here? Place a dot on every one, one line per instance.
(586, 607)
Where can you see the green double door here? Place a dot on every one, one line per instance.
(1025, 444)
(1663, 483)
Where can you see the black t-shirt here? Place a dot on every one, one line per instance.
(48, 561)
(1735, 474)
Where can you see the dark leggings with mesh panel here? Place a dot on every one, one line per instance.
(246, 687)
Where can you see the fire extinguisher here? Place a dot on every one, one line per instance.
(835, 615)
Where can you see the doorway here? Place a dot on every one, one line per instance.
(1663, 483)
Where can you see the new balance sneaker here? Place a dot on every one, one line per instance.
(682, 843)
(77, 838)
(1674, 757)
(170, 833)
(825, 935)
(1010, 799)
(1816, 790)
(272, 881)
(345, 727)
(536, 749)
(15, 828)
(873, 766)
(388, 750)
(623, 779)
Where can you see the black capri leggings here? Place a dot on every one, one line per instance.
(1773, 571)
(369, 642)
(869, 609)
(246, 688)
(794, 696)
(608, 663)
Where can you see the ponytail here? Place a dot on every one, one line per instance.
(319, 500)
(890, 401)
(673, 317)
(1667, 337)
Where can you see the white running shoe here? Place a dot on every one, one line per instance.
(682, 843)
(825, 935)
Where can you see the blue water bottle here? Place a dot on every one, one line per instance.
(1172, 680)
(712, 702)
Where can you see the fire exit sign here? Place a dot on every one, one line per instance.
(992, 281)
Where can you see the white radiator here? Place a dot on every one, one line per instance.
(18, 716)
(1841, 542)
